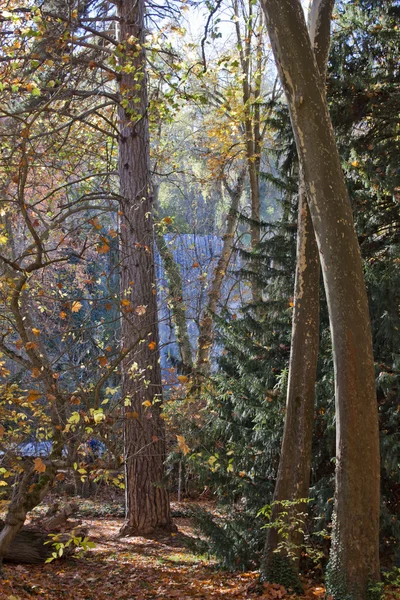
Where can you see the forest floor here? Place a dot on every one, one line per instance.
(137, 568)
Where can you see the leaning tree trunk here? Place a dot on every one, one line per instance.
(206, 323)
(293, 477)
(147, 499)
(28, 494)
(354, 562)
(175, 285)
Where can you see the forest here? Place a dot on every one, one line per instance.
(200, 299)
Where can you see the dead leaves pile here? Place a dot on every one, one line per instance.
(138, 568)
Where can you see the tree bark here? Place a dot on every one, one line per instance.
(295, 461)
(147, 499)
(354, 561)
(30, 545)
(27, 495)
(178, 308)
(293, 476)
(251, 93)
(206, 333)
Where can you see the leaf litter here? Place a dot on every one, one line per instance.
(142, 568)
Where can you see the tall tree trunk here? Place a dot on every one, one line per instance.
(354, 562)
(147, 500)
(174, 279)
(293, 477)
(251, 92)
(206, 333)
(295, 461)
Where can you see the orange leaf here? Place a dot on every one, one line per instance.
(33, 395)
(103, 360)
(103, 249)
(95, 223)
(132, 414)
(183, 378)
(30, 345)
(63, 315)
(60, 476)
(39, 465)
(125, 302)
(35, 372)
(19, 344)
(76, 307)
(152, 345)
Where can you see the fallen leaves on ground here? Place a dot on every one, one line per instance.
(137, 568)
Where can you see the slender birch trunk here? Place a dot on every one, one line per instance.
(175, 286)
(206, 330)
(354, 562)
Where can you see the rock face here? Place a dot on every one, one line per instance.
(197, 256)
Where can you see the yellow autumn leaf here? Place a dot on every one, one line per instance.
(125, 302)
(183, 378)
(35, 331)
(76, 306)
(182, 444)
(39, 465)
(146, 403)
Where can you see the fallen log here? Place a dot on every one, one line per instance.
(29, 546)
